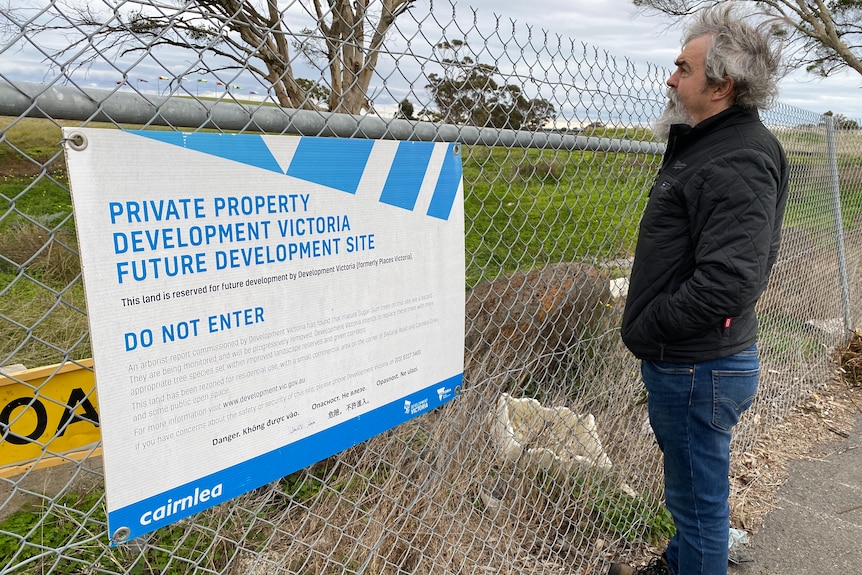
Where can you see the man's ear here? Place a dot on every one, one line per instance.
(724, 90)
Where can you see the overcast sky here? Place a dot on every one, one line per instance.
(615, 26)
(609, 25)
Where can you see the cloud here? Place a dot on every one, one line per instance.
(616, 26)
(602, 48)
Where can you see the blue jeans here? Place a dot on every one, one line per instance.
(692, 409)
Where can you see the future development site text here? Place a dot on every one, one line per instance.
(186, 232)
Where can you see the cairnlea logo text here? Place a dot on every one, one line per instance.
(174, 506)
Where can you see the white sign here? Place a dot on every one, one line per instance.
(259, 303)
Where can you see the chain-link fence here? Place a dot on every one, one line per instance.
(557, 160)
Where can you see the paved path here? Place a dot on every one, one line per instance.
(817, 526)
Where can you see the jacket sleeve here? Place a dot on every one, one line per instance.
(731, 204)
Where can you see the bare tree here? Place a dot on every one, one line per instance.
(247, 34)
(827, 34)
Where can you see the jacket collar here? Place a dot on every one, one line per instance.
(682, 136)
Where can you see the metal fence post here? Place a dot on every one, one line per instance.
(835, 188)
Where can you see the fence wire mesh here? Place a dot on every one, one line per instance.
(558, 159)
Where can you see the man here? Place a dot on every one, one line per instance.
(708, 238)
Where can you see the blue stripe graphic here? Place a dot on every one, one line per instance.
(248, 149)
(337, 163)
(447, 184)
(332, 162)
(170, 506)
(405, 177)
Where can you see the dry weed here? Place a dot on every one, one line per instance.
(849, 359)
(49, 255)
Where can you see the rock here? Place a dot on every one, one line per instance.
(543, 310)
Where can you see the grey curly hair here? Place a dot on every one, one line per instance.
(750, 55)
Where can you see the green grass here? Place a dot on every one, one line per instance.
(809, 203)
(35, 536)
(598, 503)
(633, 518)
(42, 305)
(788, 339)
(527, 208)
(24, 198)
(524, 208)
(68, 536)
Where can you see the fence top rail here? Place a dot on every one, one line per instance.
(87, 104)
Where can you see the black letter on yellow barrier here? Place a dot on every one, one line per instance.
(41, 420)
(69, 415)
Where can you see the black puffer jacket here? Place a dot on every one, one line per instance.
(708, 238)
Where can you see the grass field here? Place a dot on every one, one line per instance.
(524, 208)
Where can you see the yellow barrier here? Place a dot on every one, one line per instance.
(48, 416)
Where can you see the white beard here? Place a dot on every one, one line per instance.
(674, 113)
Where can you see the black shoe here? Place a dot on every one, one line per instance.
(657, 566)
